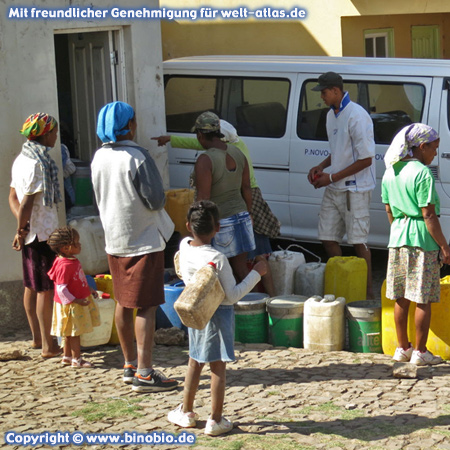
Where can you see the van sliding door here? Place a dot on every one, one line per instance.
(256, 106)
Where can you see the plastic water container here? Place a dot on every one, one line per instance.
(324, 324)
(93, 257)
(364, 326)
(286, 320)
(309, 279)
(177, 205)
(283, 265)
(101, 335)
(104, 283)
(201, 297)
(251, 319)
(439, 335)
(346, 276)
(82, 184)
(166, 316)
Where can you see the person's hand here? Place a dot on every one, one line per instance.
(81, 301)
(314, 174)
(261, 267)
(94, 293)
(18, 242)
(445, 255)
(321, 179)
(162, 140)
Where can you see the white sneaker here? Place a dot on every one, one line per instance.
(182, 419)
(215, 429)
(402, 355)
(425, 359)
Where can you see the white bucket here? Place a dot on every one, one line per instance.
(93, 257)
(283, 265)
(324, 324)
(309, 279)
(102, 334)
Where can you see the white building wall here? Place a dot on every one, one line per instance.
(28, 85)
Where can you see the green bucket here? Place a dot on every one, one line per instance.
(251, 319)
(286, 320)
(364, 326)
(82, 185)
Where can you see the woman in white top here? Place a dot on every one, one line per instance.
(34, 193)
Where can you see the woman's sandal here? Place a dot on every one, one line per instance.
(81, 363)
(66, 361)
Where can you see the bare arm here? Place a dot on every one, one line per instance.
(23, 217)
(13, 202)
(245, 187)
(203, 177)
(389, 214)
(434, 228)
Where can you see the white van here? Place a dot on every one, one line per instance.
(270, 102)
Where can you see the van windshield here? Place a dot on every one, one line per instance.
(255, 106)
(390, 105)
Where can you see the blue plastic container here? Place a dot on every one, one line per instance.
(166, 316)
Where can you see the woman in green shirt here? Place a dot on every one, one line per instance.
(416, 243)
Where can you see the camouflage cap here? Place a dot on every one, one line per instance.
(207, 122)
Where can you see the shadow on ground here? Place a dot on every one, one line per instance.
(362, 428)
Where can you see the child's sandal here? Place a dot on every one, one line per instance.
(81, 363)
(66, 361)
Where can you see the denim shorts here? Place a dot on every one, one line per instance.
(216, 341)
(235, 235)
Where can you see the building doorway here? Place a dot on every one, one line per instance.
(90, 73)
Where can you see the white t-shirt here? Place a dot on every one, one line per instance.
(350, 135)
(194, 258)
(27, 179)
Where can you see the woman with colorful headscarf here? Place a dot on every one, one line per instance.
(417, 245)
(34, 193)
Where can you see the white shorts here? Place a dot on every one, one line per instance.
(345, 212)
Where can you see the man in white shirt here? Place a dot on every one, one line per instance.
(350, 179)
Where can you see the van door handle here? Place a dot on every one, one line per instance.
(445, 155)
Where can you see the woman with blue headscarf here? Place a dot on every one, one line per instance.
(416, 243)
(130, 199)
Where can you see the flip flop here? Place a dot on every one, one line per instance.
(52, 355)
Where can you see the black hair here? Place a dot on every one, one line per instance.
(203, 217)
(211, 135)
(62, 237)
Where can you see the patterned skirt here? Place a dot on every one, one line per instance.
(74, 319)
(413, 274)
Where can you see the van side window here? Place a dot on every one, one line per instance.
(255, 106)
(390, 105)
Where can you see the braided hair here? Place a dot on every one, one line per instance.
(203, 217)
(62, 237)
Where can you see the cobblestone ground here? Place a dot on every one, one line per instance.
(278, 398)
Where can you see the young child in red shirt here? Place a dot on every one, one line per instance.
(74, 311)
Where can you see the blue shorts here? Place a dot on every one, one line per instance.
(216, 341)
(235, 235)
